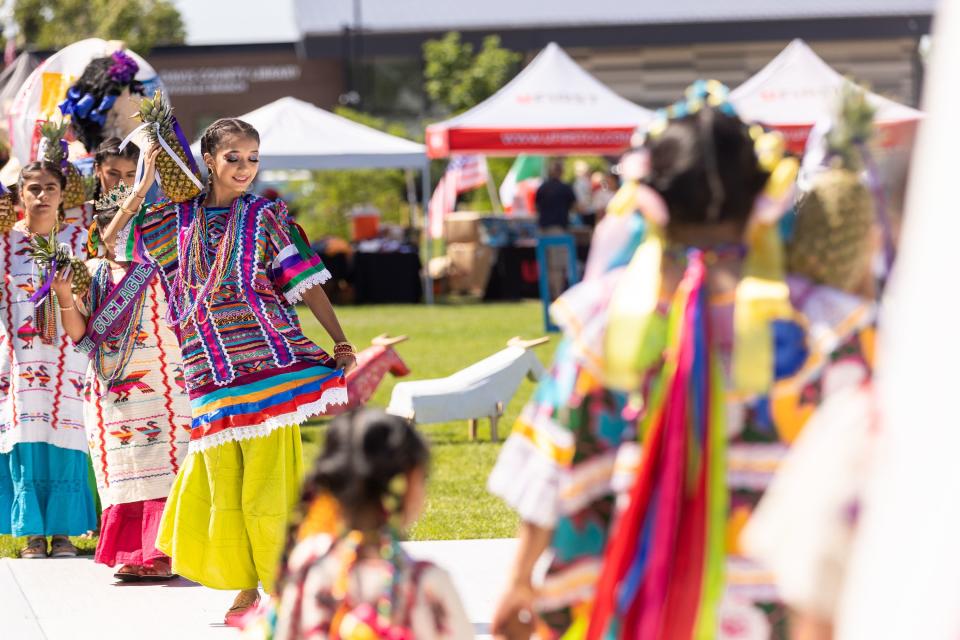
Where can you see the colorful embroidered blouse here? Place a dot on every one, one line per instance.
(248, 366)
(325, 575)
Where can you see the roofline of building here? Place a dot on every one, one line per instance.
(631, 35)
(252, 47)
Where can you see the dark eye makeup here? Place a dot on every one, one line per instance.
(234, 157)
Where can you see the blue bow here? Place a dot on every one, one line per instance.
(80, 106)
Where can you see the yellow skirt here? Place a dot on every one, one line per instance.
(226, 519)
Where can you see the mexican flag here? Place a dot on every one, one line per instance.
(518, 188)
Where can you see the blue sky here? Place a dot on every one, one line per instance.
(237, 21)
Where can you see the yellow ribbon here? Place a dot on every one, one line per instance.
(631, 343)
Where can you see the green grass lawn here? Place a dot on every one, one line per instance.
(443, 339)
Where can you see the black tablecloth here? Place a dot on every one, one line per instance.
(386, 277)
(515, 273)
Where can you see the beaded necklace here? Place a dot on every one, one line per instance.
(197, 276)
(114, 354)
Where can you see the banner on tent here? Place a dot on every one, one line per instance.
(602, 141)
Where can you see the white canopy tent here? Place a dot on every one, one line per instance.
(552, 107)
(298, 135)
(797, 89)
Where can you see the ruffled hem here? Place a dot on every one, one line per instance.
(527, 481)
(128, 533)
(331, 397)
(295, 295)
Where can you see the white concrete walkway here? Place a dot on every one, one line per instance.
(80, 600)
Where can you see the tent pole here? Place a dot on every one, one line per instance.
(427, 241)
(492, 192)
(411, 196)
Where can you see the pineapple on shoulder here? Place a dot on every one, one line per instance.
(8, 213)
(176, 184)
(75, 193)
(833, 235)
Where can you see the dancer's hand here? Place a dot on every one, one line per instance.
(347, 362)
(513, 618)
(149, 170)
(62, 286)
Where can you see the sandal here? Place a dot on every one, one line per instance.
(159, 572)
(61, 547)
(246, 601)
(36, 547)
(128, 573)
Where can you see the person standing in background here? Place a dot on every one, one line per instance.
(555, 199)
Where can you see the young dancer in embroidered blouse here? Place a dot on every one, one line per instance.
(233, 265)
(356, 581)
(135, 401)
(44, 488)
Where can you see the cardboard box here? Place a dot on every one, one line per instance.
(462, 226)
(469, 267)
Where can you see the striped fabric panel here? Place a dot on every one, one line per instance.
(259, 401)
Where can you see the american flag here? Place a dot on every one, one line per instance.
(464, 173)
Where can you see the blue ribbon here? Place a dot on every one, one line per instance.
(81, 106)
(84, 106)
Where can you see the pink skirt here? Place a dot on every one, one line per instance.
(128, 533)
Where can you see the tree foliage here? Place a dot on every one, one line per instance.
(324, 201)
(141, 24)
(456, 79)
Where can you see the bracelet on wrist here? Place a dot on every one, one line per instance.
(70, 308)
(343, 349)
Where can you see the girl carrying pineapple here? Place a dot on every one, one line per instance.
(43, 449)
(136, 407)
(233, 265)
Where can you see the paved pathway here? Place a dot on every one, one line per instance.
(79, 600)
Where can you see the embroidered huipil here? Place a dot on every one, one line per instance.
(40, 384)
(139, 427)
(248, 367)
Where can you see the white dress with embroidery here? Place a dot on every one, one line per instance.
(41, 384)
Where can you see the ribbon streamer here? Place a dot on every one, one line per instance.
(880, 203)
(41, 293)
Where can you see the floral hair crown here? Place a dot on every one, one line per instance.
(113, 198)
(700, 94)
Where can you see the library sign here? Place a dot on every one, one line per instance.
(205, 81)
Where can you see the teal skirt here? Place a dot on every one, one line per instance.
(44, 491)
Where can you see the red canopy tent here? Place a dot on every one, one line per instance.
(797, 89)
(552, 107)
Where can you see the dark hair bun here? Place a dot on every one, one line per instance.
(363, 452)
(705, 168)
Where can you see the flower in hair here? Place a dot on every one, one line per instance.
(396, 492)
(124, 68)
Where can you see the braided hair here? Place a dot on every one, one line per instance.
(363, 452)
(110, 148)
(213, 136)
(98, 81)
